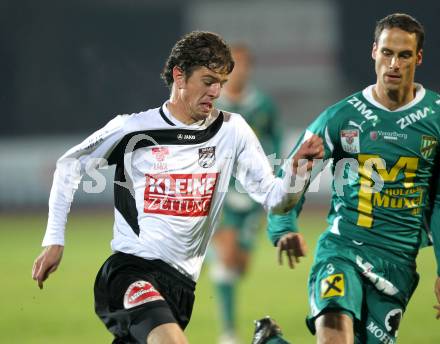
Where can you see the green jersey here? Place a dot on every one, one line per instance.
(384, 166)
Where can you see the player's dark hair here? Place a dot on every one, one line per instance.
(198, 49)
(404, 22)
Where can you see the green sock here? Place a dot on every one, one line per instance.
(226, 293)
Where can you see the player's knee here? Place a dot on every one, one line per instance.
(334, 327)
(221, 273)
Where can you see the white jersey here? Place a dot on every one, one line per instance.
(170, 182)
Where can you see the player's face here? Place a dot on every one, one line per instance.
(199, 91)
(396, 58)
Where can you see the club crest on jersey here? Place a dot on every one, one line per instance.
(428, 146)
(140, 292)
(350, 140)
(332, 285)
(207, 157)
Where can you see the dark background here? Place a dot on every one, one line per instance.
(70, 66)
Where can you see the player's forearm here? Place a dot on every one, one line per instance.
(286, 192)
(66, 179)
(278, 225)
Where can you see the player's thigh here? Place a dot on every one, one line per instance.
(167, 334)
(226, 247)
(247, 234)
(334, 286)
(381, 318)
(383, 312)
(133, 296)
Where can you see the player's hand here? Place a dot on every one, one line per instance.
(313, 148)
(437, 294)
(46, 263)
(293, 246)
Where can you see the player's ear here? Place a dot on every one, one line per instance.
(178, 77)
(419, 57)
(374, 51)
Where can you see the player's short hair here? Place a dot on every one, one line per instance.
(404, 22)
(198, 49)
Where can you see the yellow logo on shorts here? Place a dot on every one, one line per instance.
(332, 285)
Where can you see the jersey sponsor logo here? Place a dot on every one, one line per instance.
(333, 285)
(380, 334)
(350, 141)
(392, 321)
(360, 106)
(387, 135)
(374, 176)
(207, 157)
(140, 292)
(179, 194)
(399, 198)
(414, 117)
(428, 145)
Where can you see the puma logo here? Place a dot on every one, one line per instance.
(359, 126)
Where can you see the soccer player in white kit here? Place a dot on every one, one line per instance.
(173, 166)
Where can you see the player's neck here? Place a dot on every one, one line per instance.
(180, 112)
(393, 99)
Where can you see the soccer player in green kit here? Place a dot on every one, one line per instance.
(384, 145)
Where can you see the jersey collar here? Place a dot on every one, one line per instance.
(173, 121)
(420, 93)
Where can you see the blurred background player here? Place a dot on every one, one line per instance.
(242, 217)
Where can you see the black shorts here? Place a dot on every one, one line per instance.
(134, 295)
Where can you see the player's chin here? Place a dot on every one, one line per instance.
(201, 115)
(204, 111)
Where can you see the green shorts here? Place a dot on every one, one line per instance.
(371, 286)
(244, 215)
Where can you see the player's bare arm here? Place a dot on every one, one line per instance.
(293, 246)
(46, 263)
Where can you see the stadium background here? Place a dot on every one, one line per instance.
(68, 67)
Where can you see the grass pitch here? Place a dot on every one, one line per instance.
(63, 311)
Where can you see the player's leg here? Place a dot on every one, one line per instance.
(386, 300)
(225, 274)
(335, 294)
(232, 245)
(267, 331)
(334, 327)
(167, 333)
(139, 299)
